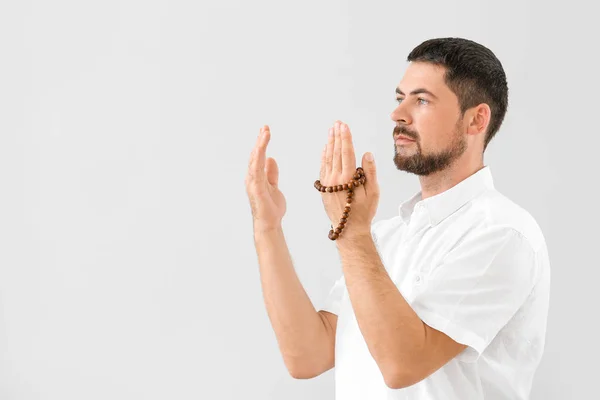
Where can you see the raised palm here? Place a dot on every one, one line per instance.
(267, 202)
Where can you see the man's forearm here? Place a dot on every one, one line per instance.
(394, 333)
(300, 331)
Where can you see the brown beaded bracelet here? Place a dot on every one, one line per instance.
(359, 178)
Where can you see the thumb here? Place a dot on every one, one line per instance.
(368, 165)
(272, 171)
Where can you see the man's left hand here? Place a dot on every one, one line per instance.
(338, 166)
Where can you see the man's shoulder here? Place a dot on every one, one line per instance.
(501, 212)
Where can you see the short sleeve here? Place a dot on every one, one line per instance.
(480, 285)
(333, 300)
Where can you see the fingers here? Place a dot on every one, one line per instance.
(371, 186)
(336, 167)
(272, 172)
(339, 152)
(323, 166)
(348, 157)
(329, 153)
(256, 168)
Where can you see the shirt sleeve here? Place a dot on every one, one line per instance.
(479, 286)
(333, 300)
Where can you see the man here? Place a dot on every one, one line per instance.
(446, 300)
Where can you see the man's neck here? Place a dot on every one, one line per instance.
(441, 181)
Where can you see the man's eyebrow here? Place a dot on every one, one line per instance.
(417, 91)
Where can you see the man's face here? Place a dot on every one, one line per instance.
(431, 119)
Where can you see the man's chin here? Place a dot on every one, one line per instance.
(406, 168)
(411, 167)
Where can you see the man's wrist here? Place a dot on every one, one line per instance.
(354, 236)
(261, 229)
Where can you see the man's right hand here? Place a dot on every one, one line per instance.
(266, 200)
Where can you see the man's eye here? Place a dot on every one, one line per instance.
(419, 99)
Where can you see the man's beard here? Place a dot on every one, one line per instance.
(425, 164)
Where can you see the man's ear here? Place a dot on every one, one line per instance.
(478, 119)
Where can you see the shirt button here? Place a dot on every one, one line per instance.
(418, 279)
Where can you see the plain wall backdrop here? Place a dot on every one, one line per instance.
(127, 263)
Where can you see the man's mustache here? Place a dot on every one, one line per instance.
(402, 130)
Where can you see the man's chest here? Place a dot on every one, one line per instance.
(413, 253)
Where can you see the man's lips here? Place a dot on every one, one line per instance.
(403, 139)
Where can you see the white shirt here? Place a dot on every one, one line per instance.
(472, 264)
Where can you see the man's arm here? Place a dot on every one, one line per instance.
(305, 337)
(405, 348)
(330, 321)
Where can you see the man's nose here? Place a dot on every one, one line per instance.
(400, 115)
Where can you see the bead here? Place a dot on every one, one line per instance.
(358, 179)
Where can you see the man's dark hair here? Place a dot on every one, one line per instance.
(473, 73)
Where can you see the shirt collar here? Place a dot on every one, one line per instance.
(443, 204)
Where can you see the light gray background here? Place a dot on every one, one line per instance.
(127, 263)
